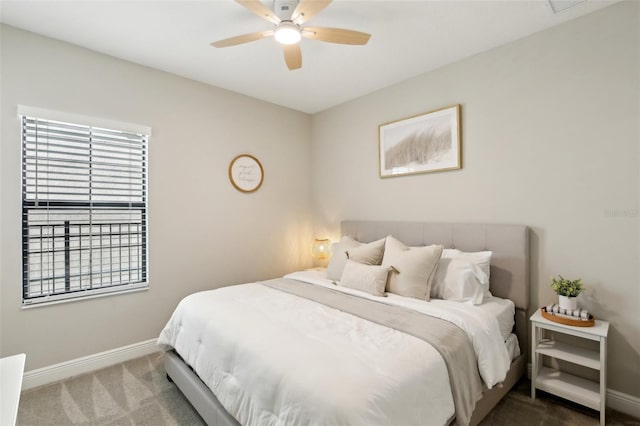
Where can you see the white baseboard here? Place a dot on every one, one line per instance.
(624, 403)
(74, 367)
(619, 401)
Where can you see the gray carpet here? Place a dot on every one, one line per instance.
(137, 393)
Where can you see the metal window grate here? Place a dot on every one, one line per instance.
(84, 210)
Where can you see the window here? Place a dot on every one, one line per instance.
(84, 209)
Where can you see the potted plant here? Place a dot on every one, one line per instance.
(568, 291)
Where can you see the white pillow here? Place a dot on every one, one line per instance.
(339, 257)
(413, 268)
(369, 278)
(462, 277)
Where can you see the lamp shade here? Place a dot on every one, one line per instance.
(321, 248)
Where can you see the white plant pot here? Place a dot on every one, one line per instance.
(567, 302)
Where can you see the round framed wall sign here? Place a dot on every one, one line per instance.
(246, 173)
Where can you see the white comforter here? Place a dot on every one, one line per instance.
(273, 358)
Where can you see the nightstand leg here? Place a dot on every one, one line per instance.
(603, 378)
(534, 359)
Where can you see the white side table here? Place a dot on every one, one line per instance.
(11, 371)
(585, 392)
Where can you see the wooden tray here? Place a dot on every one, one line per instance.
(566, 321)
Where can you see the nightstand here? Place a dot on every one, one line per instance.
(585, 392)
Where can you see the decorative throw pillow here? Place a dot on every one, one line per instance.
(339, 257)
(369, 254)
(413, 268)
(462, 277)
(369, 278)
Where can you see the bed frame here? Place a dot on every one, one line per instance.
(509, 280)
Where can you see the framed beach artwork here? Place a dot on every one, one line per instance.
(424, 143)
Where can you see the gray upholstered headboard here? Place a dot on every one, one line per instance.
(509, 244)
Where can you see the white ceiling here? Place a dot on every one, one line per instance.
(408, 38)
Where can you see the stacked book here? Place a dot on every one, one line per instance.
(574, 314)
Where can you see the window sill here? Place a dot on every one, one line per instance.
(68, 299)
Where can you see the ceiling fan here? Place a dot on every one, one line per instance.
(288, 17)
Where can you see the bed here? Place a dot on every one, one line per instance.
(323, 399)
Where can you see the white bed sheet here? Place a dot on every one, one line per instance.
(504, 310)
(480, 324)
(513, 347)
(234, 338)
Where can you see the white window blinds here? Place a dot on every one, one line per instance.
(84, 198)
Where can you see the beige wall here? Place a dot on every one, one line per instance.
(203, 233)
(550, 139)
(551, 129)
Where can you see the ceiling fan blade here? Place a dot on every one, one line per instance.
(293, 56)
(336, 35)
(307, 9)
(260, 9)
(245, 38)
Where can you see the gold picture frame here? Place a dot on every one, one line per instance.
(246, 173)
(424, 143)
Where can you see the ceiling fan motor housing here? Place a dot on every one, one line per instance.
(284, 8)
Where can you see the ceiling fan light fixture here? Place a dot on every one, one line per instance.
(287, 33)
